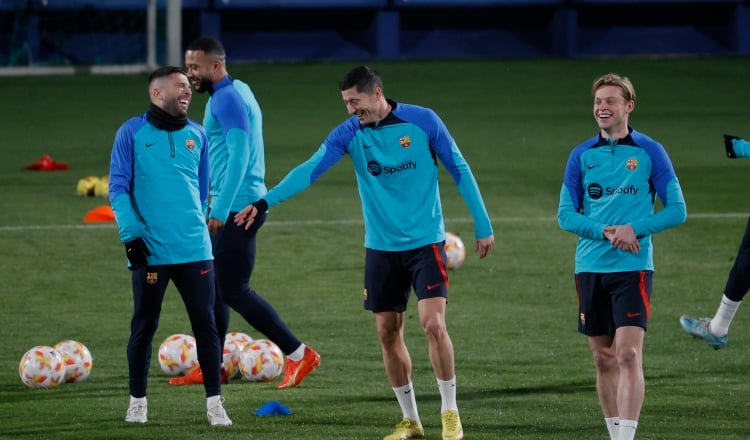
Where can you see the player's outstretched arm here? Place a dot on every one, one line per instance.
(250, 212)
(736, 146)
(484, 245)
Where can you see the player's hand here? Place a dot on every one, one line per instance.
(484, 246)
(247, 216)
(729, 145)
(214, 225)
(137, 253)
(623, 237)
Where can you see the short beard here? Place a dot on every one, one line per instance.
(205, 85)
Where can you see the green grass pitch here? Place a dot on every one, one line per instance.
(523, 370)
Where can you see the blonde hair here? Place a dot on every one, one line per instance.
(614, 79)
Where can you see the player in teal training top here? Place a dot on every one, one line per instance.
(234, 125)
(158, 185)
(395, 149)
(607, 199)
(715, 330)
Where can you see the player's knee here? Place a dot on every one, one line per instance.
(391, 342)
(627, 357)
(604, 359)
(435, 329)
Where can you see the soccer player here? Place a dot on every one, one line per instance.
(233, 122)
(714, 330)
(395, 148)
(607, 199)
(159, 167)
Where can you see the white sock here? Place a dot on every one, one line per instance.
(724, 315)
(407, 401)
(627, 429)
(211, 401)
(134, 400)
(448, 394)
(297, 354)
(613, 424)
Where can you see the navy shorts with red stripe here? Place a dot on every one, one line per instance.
(607, 301)
(390, 276)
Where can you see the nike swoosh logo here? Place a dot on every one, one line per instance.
(590, 167)
(632, 315)
(433, 286)
(205, 271)
(152, 143)
(366, 146)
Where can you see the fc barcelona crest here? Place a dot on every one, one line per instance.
(631, 164)
(405, 142)
(152, 277)
(190, 144)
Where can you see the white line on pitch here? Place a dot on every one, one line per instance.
(271, 223)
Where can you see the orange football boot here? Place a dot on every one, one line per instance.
(195, 377)
(295, 372)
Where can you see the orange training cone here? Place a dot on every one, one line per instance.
(100, 214)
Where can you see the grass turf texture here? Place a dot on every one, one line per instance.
(523, 370)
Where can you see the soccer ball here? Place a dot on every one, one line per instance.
(101, 188)
(178, 355)
(234, 343)
(42, 367)
(261, 361)
(86, 186)
(454, 250)
(77, 359)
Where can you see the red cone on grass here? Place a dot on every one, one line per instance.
(45, 163)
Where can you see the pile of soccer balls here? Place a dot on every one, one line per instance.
(93, 186)
(257, 360)
(47, 366)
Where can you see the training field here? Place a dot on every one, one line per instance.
(523, 370)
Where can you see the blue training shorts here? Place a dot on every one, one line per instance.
(390, 276)
(607, 301)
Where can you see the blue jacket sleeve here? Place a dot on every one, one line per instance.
(231, 114)
(446, 149)
(741, 147)
(120, 179)
(303, 175)
(204, 172)
(667, 186)
(569, 215)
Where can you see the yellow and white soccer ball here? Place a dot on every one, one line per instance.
(77, 359)
(178, 355)
(93, 186)
(101, 189)
(42, 367)
(455, 251)
(261, 361)
(234, 343)
(86, 186)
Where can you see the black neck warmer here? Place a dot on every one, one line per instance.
(163, 120)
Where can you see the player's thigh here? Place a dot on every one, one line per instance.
(594, 305)
(387, 283)
(631, 297)
(427, 270)
(196, 284)
(149, 286)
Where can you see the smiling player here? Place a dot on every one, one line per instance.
(607, 199)
(395, 148)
